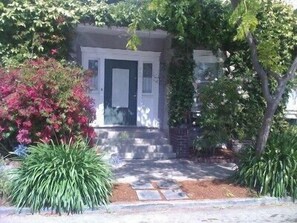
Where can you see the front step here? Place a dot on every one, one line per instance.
(151, 141)
(147, 156)
(140, 148)
(134, 143)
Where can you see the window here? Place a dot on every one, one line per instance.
(147, 80)
(207, 68)
(93, 66)
(205, 72)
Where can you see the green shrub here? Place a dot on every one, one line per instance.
(275, 171)
(63, 178)
(224, 114)
(4, 180)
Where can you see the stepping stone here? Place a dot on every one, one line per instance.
(142, 185)
(147, 195)
(176, 194)
(168, 184)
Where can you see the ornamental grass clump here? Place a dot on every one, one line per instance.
(61, 178)
(274, 172)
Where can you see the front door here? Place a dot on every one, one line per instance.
(120, 92)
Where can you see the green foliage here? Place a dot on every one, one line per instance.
(274, 26)
(34, 28)
(275, 44)
(136, 15)
(63, 178)
(4, 180)
(244, 17)
(181, 86)
(209, 17)
(277, 36)
(275, 171)
(232, 107)
(222, 104)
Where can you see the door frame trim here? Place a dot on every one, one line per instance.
(100, 54)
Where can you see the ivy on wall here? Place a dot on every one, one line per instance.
(181, 84)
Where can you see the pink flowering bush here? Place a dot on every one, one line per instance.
(43, 100)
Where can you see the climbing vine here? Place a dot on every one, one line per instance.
(181, 84)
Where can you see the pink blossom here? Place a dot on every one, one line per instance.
(27, 124)
(54, 51)
(46, 134)
(83, 120)
(23, 136)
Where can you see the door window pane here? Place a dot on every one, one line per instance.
(147, 80)
(120, 88)
(93, 66)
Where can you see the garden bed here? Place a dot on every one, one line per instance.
(195, 190)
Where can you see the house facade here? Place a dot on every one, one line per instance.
(129, 87)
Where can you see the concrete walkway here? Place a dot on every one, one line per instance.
(175, 169)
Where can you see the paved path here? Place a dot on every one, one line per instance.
(175, 169)
(285, 212)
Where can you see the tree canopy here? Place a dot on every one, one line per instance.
(269, 27)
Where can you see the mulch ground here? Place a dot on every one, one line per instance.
(196, 190)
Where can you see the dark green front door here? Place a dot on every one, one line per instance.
(120, 92)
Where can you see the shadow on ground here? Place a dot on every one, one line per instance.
(151, 170)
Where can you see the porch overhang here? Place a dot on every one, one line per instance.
(121, 31)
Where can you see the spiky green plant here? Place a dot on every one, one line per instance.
(275, 171)
(4, 179)
(61, 177)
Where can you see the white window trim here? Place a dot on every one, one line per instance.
(153, 76)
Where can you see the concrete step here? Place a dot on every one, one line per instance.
(129, 133)
(166, 148)
(147, 156)
(118, 140)
(134, 143)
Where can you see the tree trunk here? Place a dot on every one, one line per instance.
(265, 127)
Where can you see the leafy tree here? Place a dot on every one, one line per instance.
(270, 29)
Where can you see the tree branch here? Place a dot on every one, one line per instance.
(284, 80)
(259, 69)
(292, 71)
